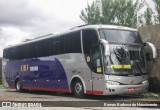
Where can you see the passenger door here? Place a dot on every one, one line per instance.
(97, 71)
(93, 79)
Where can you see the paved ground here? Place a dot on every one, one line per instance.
(12, 95)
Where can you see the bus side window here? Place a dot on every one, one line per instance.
(43, 48)
(8, 53)
(20, 52)
(59, 45)
(52, 46)
(5, 53)
(12, 54)
(31, 50)
(72, 42)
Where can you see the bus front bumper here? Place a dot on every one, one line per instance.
(125, 89)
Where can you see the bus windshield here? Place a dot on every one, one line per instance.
(122, 36)
(125, 60)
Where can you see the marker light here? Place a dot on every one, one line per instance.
(112, 83)
(145, 82)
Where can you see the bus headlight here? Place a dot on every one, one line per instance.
(145, 82)
(112, 83)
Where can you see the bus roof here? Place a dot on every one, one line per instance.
(96, 27)
(104, 26)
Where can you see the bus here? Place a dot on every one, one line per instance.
(91, 59)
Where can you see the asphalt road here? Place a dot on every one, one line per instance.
(67, 100)
(13, 95)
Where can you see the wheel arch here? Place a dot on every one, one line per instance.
(73, 79)
(17, 78)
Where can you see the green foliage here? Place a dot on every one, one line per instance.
(148, 17)
(120, 12)
(91, 15)
(157, 7)
(108, 12)
(1, 87)
(125, 13)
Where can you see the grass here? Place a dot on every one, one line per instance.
(2, 87)
(152, 95)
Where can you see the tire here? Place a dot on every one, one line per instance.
(18, 86)
(78, 89)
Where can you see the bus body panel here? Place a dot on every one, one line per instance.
(126, 84)
(75, 65)
(126, 89)
(53, 74)
(128, 80)
(38, 73)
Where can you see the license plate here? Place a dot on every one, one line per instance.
(131, 89)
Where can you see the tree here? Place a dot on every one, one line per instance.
(121, 12)
(157, 7)
(148, 17)
(108, 12)
(91, 14)
(125, 12)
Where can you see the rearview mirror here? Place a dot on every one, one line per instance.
(106, 47)
(153, 48)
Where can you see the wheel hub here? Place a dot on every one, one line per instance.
(78, 87)
(18, 85)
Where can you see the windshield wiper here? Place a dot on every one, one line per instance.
(119, 54)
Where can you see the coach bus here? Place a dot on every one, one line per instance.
(91, 59)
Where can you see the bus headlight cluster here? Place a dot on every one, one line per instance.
(112, 83)
(145, 82)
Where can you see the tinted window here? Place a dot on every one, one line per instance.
(89, 38)
(8, 53)
(31, 50)
(5, 53)
(20, 52)
(52, 50)
(43, 48)
(68, 43)
(59, 45)
(72, 43)
(120, 36)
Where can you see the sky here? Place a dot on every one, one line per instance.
(24, 19)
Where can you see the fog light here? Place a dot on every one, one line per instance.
(113, 90)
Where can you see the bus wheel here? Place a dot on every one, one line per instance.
(18, 86)
(78, 89)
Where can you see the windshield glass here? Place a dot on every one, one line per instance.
(125, 59)
(122, 36)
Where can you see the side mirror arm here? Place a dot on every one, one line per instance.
(106, 47)
(153, 48)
